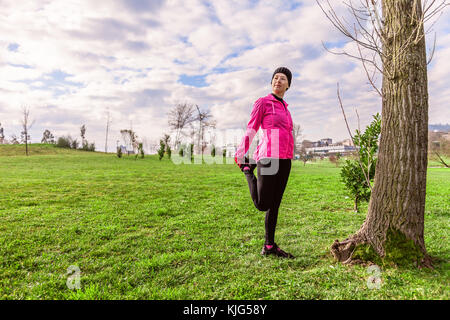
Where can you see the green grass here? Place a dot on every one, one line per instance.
(150, 229)
(9, 150)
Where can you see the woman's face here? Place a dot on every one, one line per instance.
(280, 84)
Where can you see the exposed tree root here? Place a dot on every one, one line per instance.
(356, 250)
(342, 251)
(427, 262)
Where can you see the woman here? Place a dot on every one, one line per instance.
(273, 155)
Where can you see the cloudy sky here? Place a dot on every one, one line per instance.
(72, 61)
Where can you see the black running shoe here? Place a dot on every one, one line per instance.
(275, 250)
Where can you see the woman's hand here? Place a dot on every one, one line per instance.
(244, 164)
(239, 161)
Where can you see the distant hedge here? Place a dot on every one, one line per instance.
(70, 143)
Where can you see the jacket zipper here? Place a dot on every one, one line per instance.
(287, 118)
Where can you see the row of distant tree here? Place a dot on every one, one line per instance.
(47, 136)
(186, 122)
(69, 142)
(189, 123)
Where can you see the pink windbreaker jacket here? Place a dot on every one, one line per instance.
(276, 123)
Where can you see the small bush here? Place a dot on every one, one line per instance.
(141, 150)
(334, 159)
(74, 144)
(64, 142)
(181, 150)
(85, 146)
(70, 143)
(357, 174)
(162, 147)
(355, 181)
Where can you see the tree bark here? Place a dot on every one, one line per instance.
(394, 226)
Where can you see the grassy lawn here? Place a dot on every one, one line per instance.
(150, 229)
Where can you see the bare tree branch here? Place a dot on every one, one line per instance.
(373, 37)
(179, 117)
(442, 160)
(372, 62)
(366, 176)
(367, 72)
(432, 50)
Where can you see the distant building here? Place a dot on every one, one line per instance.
(322, 147)
(125, 151)
(347, 142)
(331, 150)
(439, 128)
(321, 143)
(326, 142)
(307, 144)
(325, 147)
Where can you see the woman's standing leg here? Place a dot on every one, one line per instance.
(281, 179)
(266, 192)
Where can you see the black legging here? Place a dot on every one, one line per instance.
(267, 191)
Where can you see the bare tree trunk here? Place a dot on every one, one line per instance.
(394, 226)
(297, 134)
(26, 126)
(108, 121)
